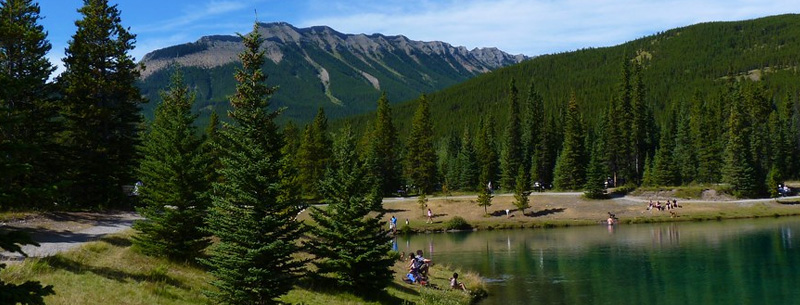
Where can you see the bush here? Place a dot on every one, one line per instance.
(406, 230)
(625, 189)
(458, 223)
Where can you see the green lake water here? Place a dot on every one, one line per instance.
(720, 262)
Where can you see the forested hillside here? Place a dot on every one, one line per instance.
(676, 64)
(708, 103)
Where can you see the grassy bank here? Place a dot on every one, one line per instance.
(572, 209)
(108, 271)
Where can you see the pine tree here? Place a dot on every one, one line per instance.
(708, 139)
(486, 151)
(791, 140)
(450, 162)
(253, 261)
(596, 174)
(101, 106)
(210, 149)
(350, 244)
(30, 292)
(485, 199)
(685, 158)
(290, 185)
(647, 176)
(314, 154)
(467, 157)
(773, 180)
(383, 148)
(512, 143)
(420, 166)
(639, 122)
(665, 171)
(738, 170)
(173, 173)
(30, 158)
(535, 138)
(570, 170)
(522, 190)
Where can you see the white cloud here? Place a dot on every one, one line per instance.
(534, 27)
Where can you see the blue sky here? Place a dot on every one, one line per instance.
(532, 27)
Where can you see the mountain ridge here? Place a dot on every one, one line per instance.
(321, 67)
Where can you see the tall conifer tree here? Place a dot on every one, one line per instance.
(596, 171)
(738, 170)
(570, 172)
(665, 170)
(314, 154)
(29, 157)
(174, 176)
(101, 106)
(420, 166)
(351, 245)
(487, 152)
(383, 147)
(522, 190)
(253, 261)
(535, 128)
(512, 142)
(470, 171)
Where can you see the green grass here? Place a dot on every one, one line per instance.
(109, 271)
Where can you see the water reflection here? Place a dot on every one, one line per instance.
(750, 261)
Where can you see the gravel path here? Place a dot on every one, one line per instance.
(61, 232)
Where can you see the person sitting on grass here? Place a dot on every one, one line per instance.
(455, 284)
(423, 263)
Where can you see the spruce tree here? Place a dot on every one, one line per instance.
(420, 166)
(512, 142)
(470, 171)
(27, 293)
(535, 138)
(100, 107)
(570, 172)
(174, 176)
(383, 146)
(314, 154)
(596, 173)
(486, 151)
(639, 122)
(665, 171)
(773, 180)
(485, 199)
(685, 158)
(29, 164)
(291, 188)
(349, 243)
(211, 151)
(522, 190)
(253, 261)
(738, 170)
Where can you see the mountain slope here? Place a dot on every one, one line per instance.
(677, 63)
(320, 67)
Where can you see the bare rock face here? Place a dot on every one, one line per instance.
(214, 51)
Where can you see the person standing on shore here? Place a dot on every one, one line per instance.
(430, 216)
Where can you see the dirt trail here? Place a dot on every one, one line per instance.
(58, 232)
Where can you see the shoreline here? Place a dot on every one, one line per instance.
(549, 210)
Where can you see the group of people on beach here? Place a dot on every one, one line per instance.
(669, 205)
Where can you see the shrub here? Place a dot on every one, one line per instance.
(458, 223)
